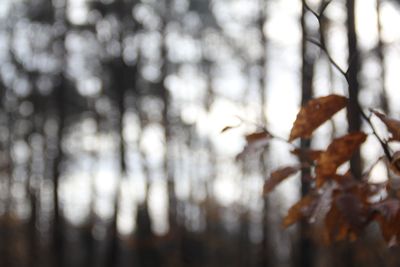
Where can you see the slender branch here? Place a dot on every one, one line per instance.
(369, 170)
(321, 44)
(331, 60)
(308, 8)
(323, 6)
(352, 60)
(384, 145)
(261, 128)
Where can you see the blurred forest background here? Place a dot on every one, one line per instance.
(110, 127)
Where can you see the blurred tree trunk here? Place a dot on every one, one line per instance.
(58, 229)
(305, 246)
(175, 231)
(88, 238)
(347, 251)
(172, 202)
(60, 108)
(33, 192)
(7, 233)
(381, 59)
(267, 257)
(119, 85)
(168, 171)
(60, 99)
(354, 61)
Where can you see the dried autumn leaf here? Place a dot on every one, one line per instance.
(352, 209)
(345, 181)
(389, 228)
(388, 208)
(336, 226)
(278, 176)
(257, 136)
(303, 208)
(337, 153)
(315, 113)
(392, 125)
(307, 155)
(255, 141)
(395, 163)
(323, 205)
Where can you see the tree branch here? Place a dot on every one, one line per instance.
(322, 45)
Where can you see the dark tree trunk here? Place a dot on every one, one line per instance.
(58, 229)
(32, 232)
(305, 246)
(353, 109)
(60, 100)
(346, 252)
(119, 73)
(7, 229)
(165, 97)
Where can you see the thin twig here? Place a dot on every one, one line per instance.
(351, 63)
(321, 44)
(323, 6)
(382, 143)
(307, 7)
(331, 60)
(265, 129)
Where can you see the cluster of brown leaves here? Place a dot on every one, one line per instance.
(341, 205)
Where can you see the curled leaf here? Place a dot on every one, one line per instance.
(315, 113)
(255, 141)
(392, 125)
(302, 209)
(337, 153)
(278, 176)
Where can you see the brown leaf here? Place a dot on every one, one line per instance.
(315, 113)
(345, 181)
(352, 209)
(303, 208)
(388, 208)
(255, 141)
(307, 155)
(336, 226)
(323, 205)
(257, 136)
(389, 228)
(278, 176)
(395, 163)
(337, 153)
(392, 125)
